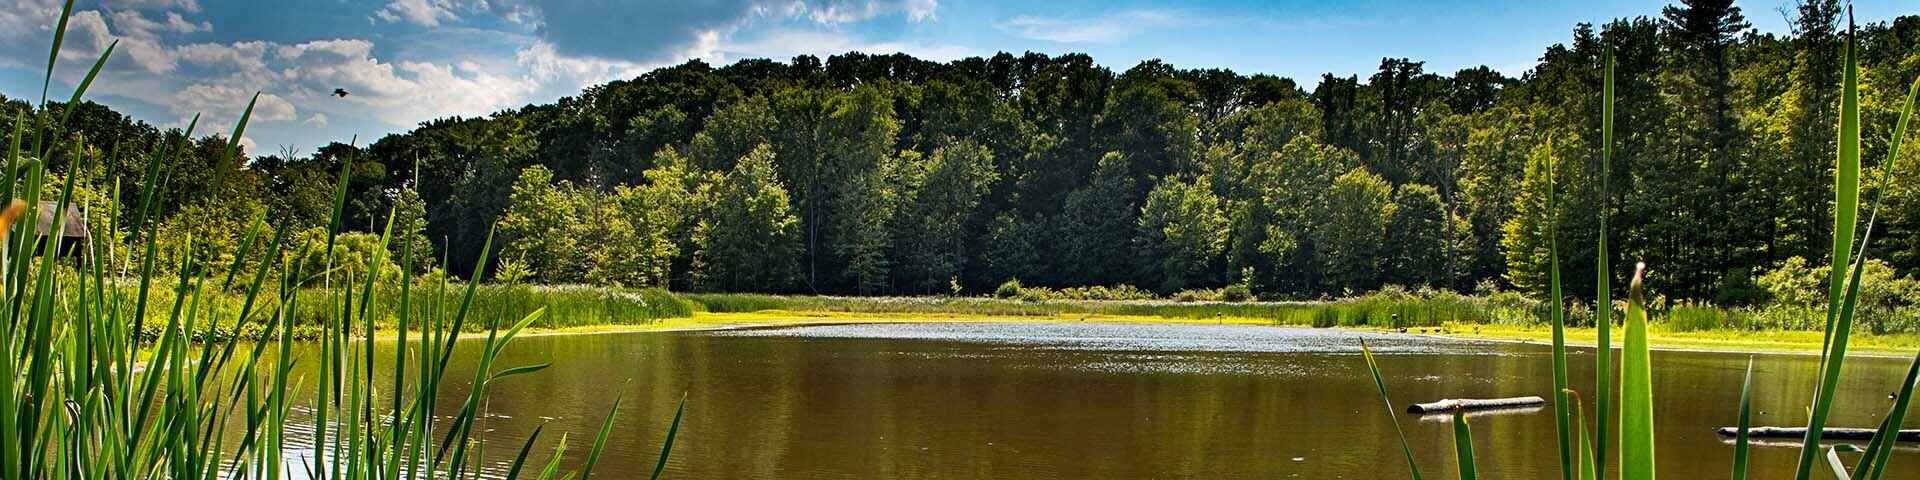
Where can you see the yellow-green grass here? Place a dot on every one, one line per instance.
(1807, 342)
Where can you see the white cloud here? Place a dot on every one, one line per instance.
(179, 23)
(188, 5)
(172, 63)
(921, 10)
(845, 11)
(782, 44)
(221, 105)
(425, 13)
(240, 56)
(1102, 29)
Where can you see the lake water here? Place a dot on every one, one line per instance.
(1100, 400)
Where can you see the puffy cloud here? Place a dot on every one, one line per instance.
(1102, 29)
(187, 5)
(179, 23)
(173, 61)
(843, 11)
(237, 56)
(425, 13)
(656, 31)
(787, 43)
(221, 105)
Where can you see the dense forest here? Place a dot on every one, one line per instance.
(887, 174)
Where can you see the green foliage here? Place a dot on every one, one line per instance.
(1422, 237)
(1007, 289)
(1060, 157)
(750, 238)
(1352, 240)
(1526, 234)
(1181, 224)
(933, 225)
(410, 229)
(1237, 292)
(87, 393)
(535, 226)
(1884, 300)
(354, 254)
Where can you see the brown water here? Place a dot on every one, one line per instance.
(1095, 400)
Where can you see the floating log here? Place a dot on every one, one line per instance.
(1447, 417)
(1830, 433)
(1452, 404)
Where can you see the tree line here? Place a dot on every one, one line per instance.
(888, 174)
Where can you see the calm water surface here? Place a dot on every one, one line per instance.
(1096, 400)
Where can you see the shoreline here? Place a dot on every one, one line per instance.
(1759, 343)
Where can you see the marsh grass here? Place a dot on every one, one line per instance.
(1396, 309)
(566, 306)
(1638, 435)
(86, 395)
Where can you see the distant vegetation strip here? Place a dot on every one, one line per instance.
(579, 306)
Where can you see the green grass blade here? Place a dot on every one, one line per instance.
(1603, 291)
(1585, 450)
(1392, 414)
(1561, 417)
(1463, 446)
(521, 459)
(1834, 464)
(59, 36)
(1831, 368)
(1874, 464)
(1740, 436)
(553, 465)
(666, 446)
(240, 128)
(1636, 388)
(600, 440)
(1846, 197)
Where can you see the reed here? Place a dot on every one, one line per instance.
(1583, 459)
(87, 395)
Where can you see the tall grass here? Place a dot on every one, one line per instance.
(1636, 445)
(85, 396)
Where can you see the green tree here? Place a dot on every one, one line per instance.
(1098, 222)
(410, 229)
(681, 195)
(1420, 237)
(937, 222)
(1276, 224)
(537, 227)
(866, 190)
(1528, 231)
(1351, 242)
(1182, 229)
(749, 240)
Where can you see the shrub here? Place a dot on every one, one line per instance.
(1008, 289)
(1688, 317)
(1197, 295)
(1238, 292)
(1796, 285)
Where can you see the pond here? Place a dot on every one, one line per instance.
(1105, 400)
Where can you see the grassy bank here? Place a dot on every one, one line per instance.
(584, 309)
(1483, 317)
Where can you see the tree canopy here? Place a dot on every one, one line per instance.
(867, 174)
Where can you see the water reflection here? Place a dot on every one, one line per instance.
(1095, 400)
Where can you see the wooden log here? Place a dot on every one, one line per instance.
(1452, 404)
(1830, 433)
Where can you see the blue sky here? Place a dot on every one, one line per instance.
(408, 61)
